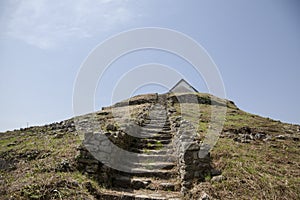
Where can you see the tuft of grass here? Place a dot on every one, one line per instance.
(159, 145)
(207, 177)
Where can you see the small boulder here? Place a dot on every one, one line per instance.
(218, 179)
(260, 136)
(215, 172)
(204, 196)
(63, 166)
(111, 127)
(281, 137)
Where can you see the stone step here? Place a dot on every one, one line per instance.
(139, 195)
(124, 123)
(150, 146)
(157, 157)
(165, 151)
(155, 135)
(156, 141)
(160, 117)
(152, 133)
(157, 173)
(138, 183)
(156, 126)
(146, 127)
(161, 136)
(157, 109)
(148, 165)
(146, 156)
(149, 132)
(157, 117)
(154, 129)
(152, 142)
(157, 121)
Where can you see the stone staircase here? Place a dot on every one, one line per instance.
(152, 155)
(155, 174)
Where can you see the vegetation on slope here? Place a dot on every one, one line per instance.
(40, 162)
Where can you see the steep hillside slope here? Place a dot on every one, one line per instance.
(257, 157)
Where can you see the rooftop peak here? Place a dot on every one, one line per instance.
(182, 86)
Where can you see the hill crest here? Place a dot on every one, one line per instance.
(248, 148)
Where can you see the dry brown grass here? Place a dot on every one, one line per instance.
(255, 171)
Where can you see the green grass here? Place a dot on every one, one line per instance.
(159, 145)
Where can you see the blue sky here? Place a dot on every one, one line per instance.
(255, 44)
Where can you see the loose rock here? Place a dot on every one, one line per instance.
(218, 179)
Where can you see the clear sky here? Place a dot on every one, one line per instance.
(254, 43)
